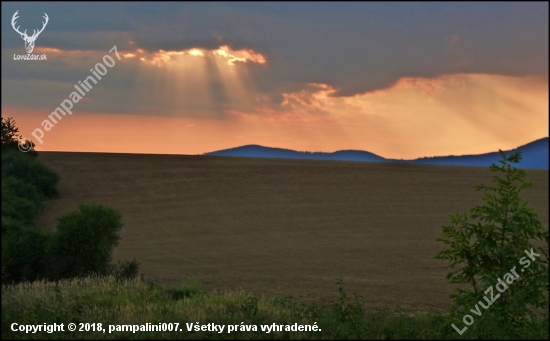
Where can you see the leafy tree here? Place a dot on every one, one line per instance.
(11, 138)
(24, 254)
(10, 132)
(17, 207)
(29, 170)
(84, 242)
(492, 242)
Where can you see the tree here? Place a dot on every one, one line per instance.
(10, 132)
(84, 242)
(11, 139)
(493, 242)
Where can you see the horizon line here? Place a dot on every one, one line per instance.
(285, 149)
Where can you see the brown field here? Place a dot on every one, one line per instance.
(284, 226)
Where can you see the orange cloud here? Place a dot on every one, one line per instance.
(239, 55)
(41, 50)
(451, 114)
(224, 52)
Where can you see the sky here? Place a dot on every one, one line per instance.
(401, 80)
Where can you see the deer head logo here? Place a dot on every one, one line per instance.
(29, 41)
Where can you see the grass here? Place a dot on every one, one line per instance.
(109, 301)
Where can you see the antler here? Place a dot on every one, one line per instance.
(34, 35)
(13, 24)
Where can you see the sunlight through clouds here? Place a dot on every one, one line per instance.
(224, 52)
(197, 81)
(245, 55)
(447, 80)
(402, 121)
(468, 113)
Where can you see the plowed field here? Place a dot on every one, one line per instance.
(287, 226)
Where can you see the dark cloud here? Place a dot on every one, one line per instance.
(354, 47)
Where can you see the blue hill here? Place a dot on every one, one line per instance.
(268, 152)
(534, 155)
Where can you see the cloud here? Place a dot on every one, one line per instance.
(328, 73)
(353, 47)
(465, 113)
(232, 56)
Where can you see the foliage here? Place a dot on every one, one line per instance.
(9, 132)
(19, 188)
(26, 186)
(349, 315)
(10, 137)
(84, 241)
(11, 225)
(82, 244)
(491, 242)
(29, 170)
(18, 208)
(109, 301)
(24, 255)
(125, 270)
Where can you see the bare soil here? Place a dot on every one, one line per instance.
(281, 226)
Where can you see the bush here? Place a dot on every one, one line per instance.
(23, 189)
(125, 270)
(18, 208)
(24, 255)
(488, 250)
(84, 241)
(26, 184)
(30, 171)
(11, 225)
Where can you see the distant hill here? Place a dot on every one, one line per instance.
(253, 150)
(534, 155)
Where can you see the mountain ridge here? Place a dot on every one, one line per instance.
(534, 155)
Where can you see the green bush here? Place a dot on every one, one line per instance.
(125, 270)
(497, 243)
(30, 171)
(26, 184)
(23, 190)
(84, 241)
(24, 255)
(82, 245)
(11, 225)
(18, 208)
